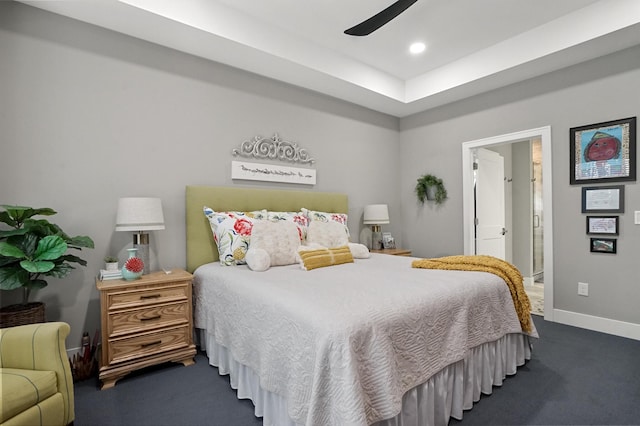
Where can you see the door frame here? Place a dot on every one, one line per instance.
(544, 134)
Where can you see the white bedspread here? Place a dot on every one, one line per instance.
(342, 344)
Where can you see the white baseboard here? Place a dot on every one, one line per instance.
(72, 351)
(603, 325)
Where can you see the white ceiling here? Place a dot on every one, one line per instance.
(472, 45)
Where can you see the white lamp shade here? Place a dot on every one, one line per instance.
(139, 214)
(376, 214)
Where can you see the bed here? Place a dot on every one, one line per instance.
(372, 341)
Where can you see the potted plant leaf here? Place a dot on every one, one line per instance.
(30, 251)
(430, 187)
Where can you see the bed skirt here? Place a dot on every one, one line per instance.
(446, 394)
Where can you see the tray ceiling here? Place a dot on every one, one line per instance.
(473, 46)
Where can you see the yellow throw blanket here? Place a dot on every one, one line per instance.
(509, 273)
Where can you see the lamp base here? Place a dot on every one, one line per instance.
(376, 237)
(365, 237)
(141, 242)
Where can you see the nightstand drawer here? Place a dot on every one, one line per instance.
(145, 319)
(142, 296)
(131, 348)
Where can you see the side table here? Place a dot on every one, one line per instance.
(394, 251)
(145, 322)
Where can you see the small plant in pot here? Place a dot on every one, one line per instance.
(430, 187)
(30, 251)
(111, 263)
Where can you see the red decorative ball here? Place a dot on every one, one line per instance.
(134, 264)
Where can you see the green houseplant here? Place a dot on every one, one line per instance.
(111, 263)
(33, 249)
(430, 187)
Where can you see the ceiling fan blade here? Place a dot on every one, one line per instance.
(376, 21)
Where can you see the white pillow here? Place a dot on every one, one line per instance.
(327, 234)
(257, 259)
(359, 251)
(299, 218)
(279, 239)
(314, 215)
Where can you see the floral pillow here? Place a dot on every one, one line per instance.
(299, 218)
(313, 215)
(232, 233)
(325, 217)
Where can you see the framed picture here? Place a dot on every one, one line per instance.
(603, 152)
(603, 245)
(602, 225)
(388, 241)
(603, 199)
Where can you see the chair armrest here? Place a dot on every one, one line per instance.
(40, 347)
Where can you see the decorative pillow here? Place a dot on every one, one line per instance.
(328, 234)
(325, 217)
(317, 216)
(307, 246)
(299, 218)
(258, 259)
(359, 251)
(312, 259)
(232, 233)
(279, 239)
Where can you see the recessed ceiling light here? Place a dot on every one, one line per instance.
(417, 48)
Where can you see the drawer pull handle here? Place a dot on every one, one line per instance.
(151, 318)
(150, 296)
(144, 345)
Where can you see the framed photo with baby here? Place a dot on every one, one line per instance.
(603, 152)
(388, 242)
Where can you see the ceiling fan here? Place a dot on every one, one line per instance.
(381, 18)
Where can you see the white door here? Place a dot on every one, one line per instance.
(490, 216)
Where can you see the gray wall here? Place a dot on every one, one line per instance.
(600, 90)
(88, 116)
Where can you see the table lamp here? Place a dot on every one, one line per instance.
(139, 215)
(376, 215)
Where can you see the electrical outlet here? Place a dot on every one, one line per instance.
(637, 217)
(583, 289)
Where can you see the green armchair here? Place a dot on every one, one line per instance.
(37, 385)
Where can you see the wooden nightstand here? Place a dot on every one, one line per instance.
(394, 252)
(145, 322)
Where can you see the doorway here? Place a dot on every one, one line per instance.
(490, 205)
(542, 134)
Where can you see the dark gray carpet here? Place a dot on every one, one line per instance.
(575, 377)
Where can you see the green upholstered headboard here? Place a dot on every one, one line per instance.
(201, 248)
